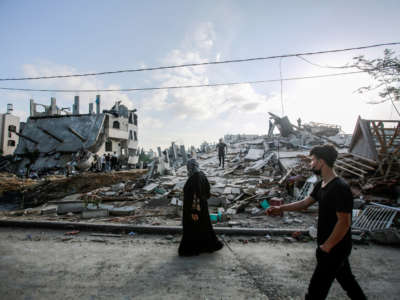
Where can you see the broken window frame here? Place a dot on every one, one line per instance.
(108, 146)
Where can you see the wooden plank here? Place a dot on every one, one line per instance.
(373, 162)
(351, 166)
(394, 135)
(286, 176)
(347, 170)
(381, 141)
(358, 163)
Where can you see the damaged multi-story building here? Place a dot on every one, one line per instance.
(9, 125)
(52, 137)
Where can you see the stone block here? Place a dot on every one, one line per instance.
(74, 207)
(94, 213)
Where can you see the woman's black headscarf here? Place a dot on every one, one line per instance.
(192, 167)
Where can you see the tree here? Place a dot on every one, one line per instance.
(386, 72)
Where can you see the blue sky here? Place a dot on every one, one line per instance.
(39, 38)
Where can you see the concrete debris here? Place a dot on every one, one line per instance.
(97, 213)
(254, 154)
(390, 236)
(176, 202)
(260, 171)
(150, 187)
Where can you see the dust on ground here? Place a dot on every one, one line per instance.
(37, 264)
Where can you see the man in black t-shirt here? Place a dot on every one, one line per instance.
(222, 149)
(335, 202)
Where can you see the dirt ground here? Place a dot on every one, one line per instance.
(38, 264)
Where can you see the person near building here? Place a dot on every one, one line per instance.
(108, 162)
(299, 122)
(103, 162)
(114, 161)
(335, 205)
(222, 149)
(198, 233)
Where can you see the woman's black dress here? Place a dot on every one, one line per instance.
(198, 235)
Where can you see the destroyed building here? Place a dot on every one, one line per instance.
(9, 125)
(377, 141)
(52, 138)
(260, 171)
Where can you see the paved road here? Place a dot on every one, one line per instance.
(37, 264)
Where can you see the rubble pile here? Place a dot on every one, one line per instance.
(260, 171)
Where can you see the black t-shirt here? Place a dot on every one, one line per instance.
(335, 197)
(221, 148)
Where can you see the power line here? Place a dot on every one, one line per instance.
(178, 87)
(320, 66)
(200, 64)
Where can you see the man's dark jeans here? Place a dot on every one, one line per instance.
(330, 266)
(221, 160)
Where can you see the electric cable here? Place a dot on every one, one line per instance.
(178, 87)
(199, 64)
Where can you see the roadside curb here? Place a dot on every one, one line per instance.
(105, 227)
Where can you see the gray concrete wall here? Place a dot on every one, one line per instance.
(88, 126)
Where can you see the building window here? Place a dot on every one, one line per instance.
(9, 134)
(108, 146)
(130, 118)
(132, 152)
(130, 135)
(116, 124)
(11, 143)
(135, 134)
(12, 128)
(135, 120)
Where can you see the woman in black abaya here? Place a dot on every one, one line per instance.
(198, 234)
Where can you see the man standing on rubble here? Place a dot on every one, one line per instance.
(335, 202)
(222, 150)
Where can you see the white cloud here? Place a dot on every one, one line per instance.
(157, 101)
(151, 123)
(201, 103)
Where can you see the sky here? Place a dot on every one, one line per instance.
(44, 38)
